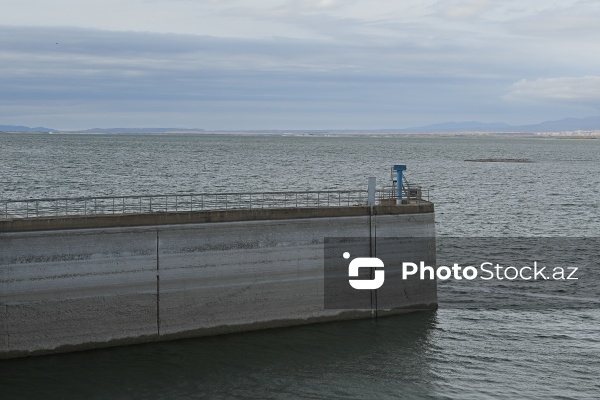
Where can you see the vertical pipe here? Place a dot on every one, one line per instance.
(157, 284)
(372, 185)
(399, 169)
(399, 187)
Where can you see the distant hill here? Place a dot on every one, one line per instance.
(562, 125)
(19, 128)
(567, 124)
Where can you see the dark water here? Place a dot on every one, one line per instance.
(473, 352)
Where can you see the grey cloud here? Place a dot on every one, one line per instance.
(407, 76)
(565, 22)
(583, 90)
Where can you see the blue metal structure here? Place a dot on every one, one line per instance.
(399, 169)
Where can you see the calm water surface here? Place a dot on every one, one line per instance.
(453, 353)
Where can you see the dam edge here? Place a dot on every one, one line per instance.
(127, 279)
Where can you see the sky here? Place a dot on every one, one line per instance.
(296, 64)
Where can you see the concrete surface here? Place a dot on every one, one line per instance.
(63, 290)
(167, 218)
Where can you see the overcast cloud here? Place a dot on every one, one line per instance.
(305, 64)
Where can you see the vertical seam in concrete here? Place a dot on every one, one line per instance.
(372, 253)
(374, 244)
(6, 330)
(157, 285)
(371, 274)
(375, 255)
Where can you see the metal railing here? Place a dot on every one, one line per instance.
(31, 208)
(73, 206)
(410, 194)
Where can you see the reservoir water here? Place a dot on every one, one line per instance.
(456, 352)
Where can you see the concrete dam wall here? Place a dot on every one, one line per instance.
(73, 289)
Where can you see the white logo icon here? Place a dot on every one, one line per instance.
(365, 262)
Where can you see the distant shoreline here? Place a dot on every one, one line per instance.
(374, 133)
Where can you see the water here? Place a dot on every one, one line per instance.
(453, 353)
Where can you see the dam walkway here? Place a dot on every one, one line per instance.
(195, 202)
